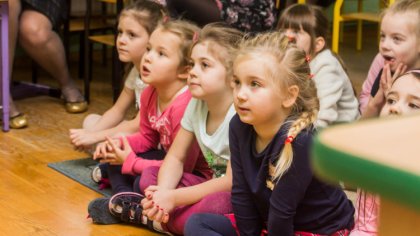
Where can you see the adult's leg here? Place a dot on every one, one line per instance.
(199, 11)
(206, 224)
(37, 37)
(15, 8)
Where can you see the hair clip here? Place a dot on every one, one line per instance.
(165, 17)
(195, 37)
(288, 140)
(308, 58)
(291, 39)
(311, 76)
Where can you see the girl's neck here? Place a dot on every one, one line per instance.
(220, 103)
(168, 92)
(218, 106)
(266, 132)
(137, 66)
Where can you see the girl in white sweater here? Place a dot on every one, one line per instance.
(308, 27)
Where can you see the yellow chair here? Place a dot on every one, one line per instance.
(358, 16)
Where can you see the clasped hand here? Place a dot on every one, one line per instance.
(113, 151)
(386, 81)
(158, 203)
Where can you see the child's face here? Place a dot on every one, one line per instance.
(131, 40)
(207, 75)
(303, 39)
(257, 98)
(399, 42)
(160, 62)
(403, 97)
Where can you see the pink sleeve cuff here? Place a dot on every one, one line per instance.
(134, 165)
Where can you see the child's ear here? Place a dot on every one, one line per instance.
(319, 44)
(184, 72)
(292, 94)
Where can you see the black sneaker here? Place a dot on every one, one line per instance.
(98, 210)
(126, 206)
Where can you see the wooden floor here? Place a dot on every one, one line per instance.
(36, 200)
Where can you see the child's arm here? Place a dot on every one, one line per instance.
(109, 124)
(330, 81)
(376, 66)
(172, 168)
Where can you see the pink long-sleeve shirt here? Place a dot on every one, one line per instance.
(159, 129)
(376, 66)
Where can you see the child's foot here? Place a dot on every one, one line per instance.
(126, 206)
(98, 210)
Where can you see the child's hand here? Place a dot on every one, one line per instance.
(164, 202)
(82, 139)
(119, 150)
(101, 151)
(154, 206)
(385, 84)
(387, 79)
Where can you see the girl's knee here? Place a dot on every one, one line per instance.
(194, 224)
(148, 177)
(90, 121)
(217, 203)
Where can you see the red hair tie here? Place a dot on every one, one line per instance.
(288, 140)
(308, 58)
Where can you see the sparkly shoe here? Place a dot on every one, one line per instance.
(76, 107)
(18, 121)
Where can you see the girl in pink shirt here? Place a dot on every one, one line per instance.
(164, 67)
(399, 48)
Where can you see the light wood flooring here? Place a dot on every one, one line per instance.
(36, 200)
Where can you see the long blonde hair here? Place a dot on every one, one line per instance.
(292, 68)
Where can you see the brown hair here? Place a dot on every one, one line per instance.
(224, 36)
(291, 68)
(185, 30)
(148, 14)
(308, 17)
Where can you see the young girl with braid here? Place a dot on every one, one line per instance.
(274, 190)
